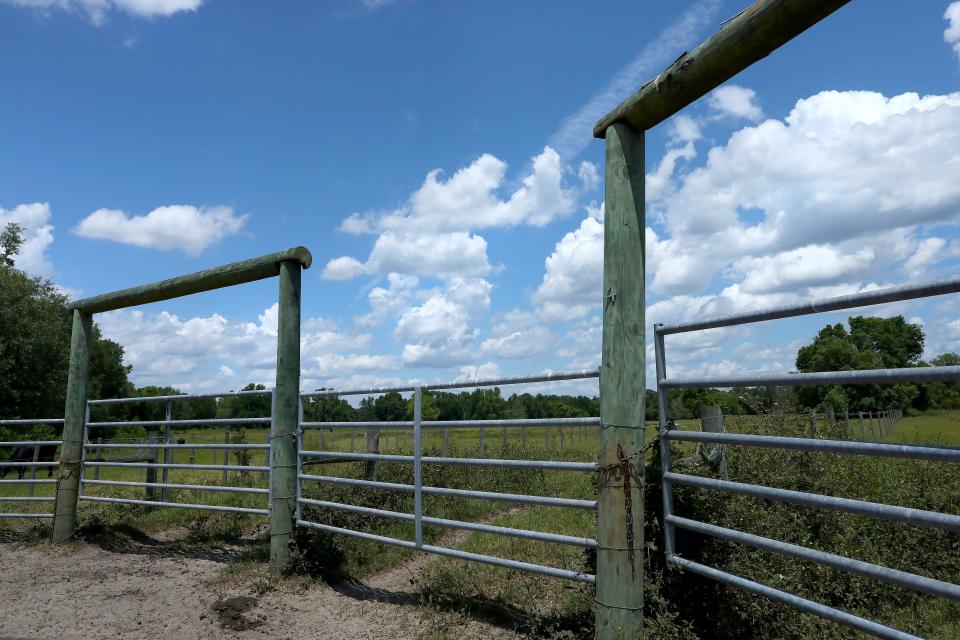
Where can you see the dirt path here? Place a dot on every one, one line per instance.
(83, 591)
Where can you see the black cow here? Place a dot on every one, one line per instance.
(25, 454)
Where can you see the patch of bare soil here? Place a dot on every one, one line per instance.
(83, 591)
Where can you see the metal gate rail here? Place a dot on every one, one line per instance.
(419, 490)
(168, 448)
(669, 433)
(32, 481)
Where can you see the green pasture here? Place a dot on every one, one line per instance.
(549, 607)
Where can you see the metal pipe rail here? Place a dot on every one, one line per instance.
(862, 376)
(29, 464)
(867, 569)
(838, 303)
(26, 498)
(553, 465)
(490, 382)
(30, 421)
(906, 515)
(185, 487)
(26, 515)
(456, 553)
(179, 423)
(181, 397)
(808, 606)
(458, 424)
(547, 501)
(455, 524)
(133, 445)
(176, 505)
(28, 481)
(198, 467)
(847, 447)
(28, 443)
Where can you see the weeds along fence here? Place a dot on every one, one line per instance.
(27, 457)
(669, 433)
(417, 428)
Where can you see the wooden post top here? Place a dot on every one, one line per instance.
(227, 275)
(752, 34)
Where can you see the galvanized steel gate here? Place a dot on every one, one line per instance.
(417, 460)
(670, 433)
(26, 469)
(170, 449)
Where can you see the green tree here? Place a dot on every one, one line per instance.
(870, 343)
(11, 239)
(35, 327)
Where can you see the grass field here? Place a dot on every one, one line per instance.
(550, 607)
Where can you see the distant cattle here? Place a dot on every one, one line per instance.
(25, 454)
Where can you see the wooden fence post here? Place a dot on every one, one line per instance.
(373, 446)
(152, 438)
(226, 455)
(33, 470)
(167, 451)
(74, 416)
(620, 517)
(286, 401)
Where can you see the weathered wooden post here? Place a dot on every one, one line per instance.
(283, 445)
(152, 438)
(620, 517)
(167, 451)
(33, 470)
(373, 446)
(74, 412)
(226, 454)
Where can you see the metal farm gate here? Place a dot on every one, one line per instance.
(669, 432)
(94, 461)
(417, 427)
(25, 461)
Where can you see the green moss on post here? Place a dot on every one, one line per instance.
(74, 414)
(283, 451)
(619, 612)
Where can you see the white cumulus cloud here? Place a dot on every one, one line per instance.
(97, 10)
(734, 101)
(952, 33)
(37, 236)
(188, 228)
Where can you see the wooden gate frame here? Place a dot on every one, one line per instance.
(287, 266)
(751, 35)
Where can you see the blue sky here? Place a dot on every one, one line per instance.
(436, 158)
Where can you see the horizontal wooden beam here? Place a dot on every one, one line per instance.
(228, 275)
(751, 35)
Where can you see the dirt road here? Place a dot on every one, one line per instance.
(171, 591)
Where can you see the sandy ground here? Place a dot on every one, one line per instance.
(162, 589)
